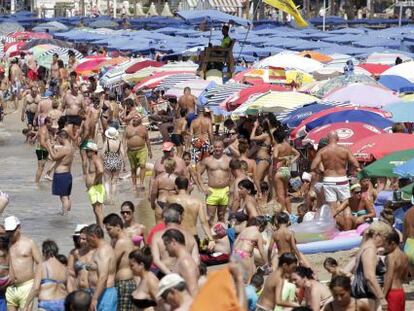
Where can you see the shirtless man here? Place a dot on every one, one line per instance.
(164, 262)
(355, 211)
(16, 81)
(96, 189)
(73, 104)
(62, 178)
(25, 261)
(408, 238)
(54, 68)
(187, 101)
(123, 246)
(397, 272)
(168, 153)
(368, 190)
(272, 290)
(79, 262)
(54, 114)
(332, 161)
(186, 267)
(138, 150)
(178, 138)
(162, 187)
(201, 133)
(41, 148)
(87, 135)
(193, 209)
(43, 108)
(218, 172)
(30, 108)
(105, 297)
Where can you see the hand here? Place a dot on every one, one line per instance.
(94, 305)
(256, 123)
(206, 192)
(384, 304)
(211, 245)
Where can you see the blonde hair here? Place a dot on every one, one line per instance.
(378, 227)
(169, 165)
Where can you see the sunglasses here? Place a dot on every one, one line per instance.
(126, 212)
(165, 294)
(357, 192)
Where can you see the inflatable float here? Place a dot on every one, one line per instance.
(321, 235)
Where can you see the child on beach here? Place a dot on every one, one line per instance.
(331, 265)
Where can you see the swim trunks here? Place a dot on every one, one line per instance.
(41, 153)
(177, 139)
(359, 213)
(409, 250)
(108, 301)
(138, 158)
(62, 184)
(75, 120)
(396, 299)
(16, 294)
(190, 118)
(84, 143)
(3, 302)
(96, 194)
(283, 172)
(125, 289)
(114, 123)
(218, 196)
(30, 117)
(336, 189)
(52, 305)
(200, 149)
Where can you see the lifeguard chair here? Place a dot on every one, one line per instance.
(217, 55)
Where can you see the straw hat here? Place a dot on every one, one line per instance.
(111, 133)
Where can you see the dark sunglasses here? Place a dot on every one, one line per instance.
(357, 192)
(165, 294)
(126, 212)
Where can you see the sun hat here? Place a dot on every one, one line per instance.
(111, 133)
(169, 281)
(167, 146)
(79, 228)
(11, 223)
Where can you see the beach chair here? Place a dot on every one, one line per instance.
(213, 54)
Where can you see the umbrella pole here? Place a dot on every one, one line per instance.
(248, 30)
(324, 16)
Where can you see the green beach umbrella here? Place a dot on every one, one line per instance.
(384, 167)
(406, 192)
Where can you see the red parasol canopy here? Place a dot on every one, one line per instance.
(375, 147)
(348, 132)
(27, 35)
(154, 80)
(141, 65)
(374, 69)
(241, 97)
(90, 65)
(297, 131)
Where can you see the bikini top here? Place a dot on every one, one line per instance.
(48, 280)
(143, 303)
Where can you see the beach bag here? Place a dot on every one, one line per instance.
(112, 160)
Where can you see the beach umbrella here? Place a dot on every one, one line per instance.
(328, 86)
(387, 166)
(13, 49)
(198, 86)
(376, 147)
(290, 61)
(404, 70)
(104, 23)
(141, 65)
(35, 42)
(9, 27)
(395, 83)
(156, 78)
(28, 35)
(386, 58)
(323, 58)
(89, 66)
(53, 26)
(406, 170)
(374, 69)
(245, 94)
(293, 117)
(359, 94)
(348, 133)
(406, 192)
(275, 101)
(301, 129)
(42, 48)
(401, 112)
(45, 59)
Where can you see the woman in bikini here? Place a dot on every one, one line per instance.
(283, 156)
(133, 229)
(340, 287)
(249, 205)
(145, 296)
(315, 294)
(249, 239)
(52, 286)
(113, 156)
(262, 136)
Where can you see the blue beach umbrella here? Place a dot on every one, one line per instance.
(394, 83)
(363, 116)
(405, 170)
(293, 118)
(401, 112)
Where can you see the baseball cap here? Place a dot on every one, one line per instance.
(11, 223)
(169, 281)
(79, 228)
(167, 146)
(90, 145)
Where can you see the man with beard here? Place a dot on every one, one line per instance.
(138, 149)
